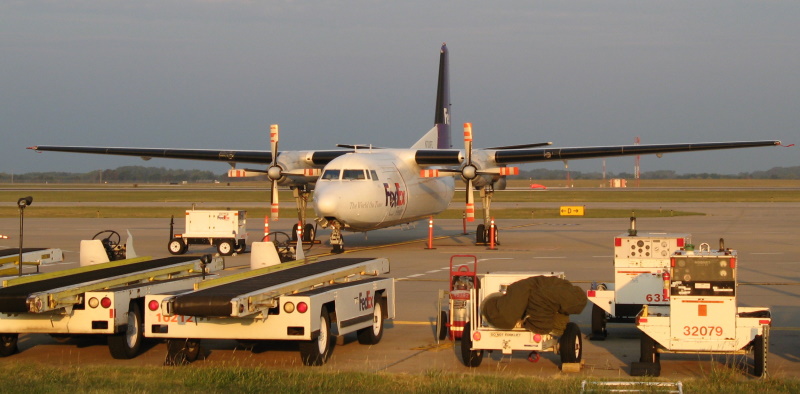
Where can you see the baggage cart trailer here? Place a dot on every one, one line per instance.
(479, 336)
(9, 258)
(702, 316)
(105, 299)
(295, 301)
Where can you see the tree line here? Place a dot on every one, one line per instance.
(141, 174)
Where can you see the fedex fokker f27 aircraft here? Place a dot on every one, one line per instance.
(365, 188)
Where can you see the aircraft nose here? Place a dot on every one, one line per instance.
(326, 205)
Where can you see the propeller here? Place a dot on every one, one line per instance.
(274, 171)
(469, 172)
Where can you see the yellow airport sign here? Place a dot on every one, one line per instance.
(572, 211)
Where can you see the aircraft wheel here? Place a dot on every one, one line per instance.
(599, 332)
(294, 232)
(8, 344)
(372, 335)
(309, 234)
(470, 358)
(176, 246)
(225, 248)
(571, 344)
(480, 234)
(337, 248)
(316, 351)
(443, 320)
(241, 246)
(126, 345)
(760, 350)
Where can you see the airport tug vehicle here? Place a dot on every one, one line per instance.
(479, 336)
(99, 299)
(641, 261)
(451, 321)
(227, 230)
(702, 316)
(299, 301)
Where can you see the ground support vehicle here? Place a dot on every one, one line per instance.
(702, 316)
(227, 230)
(640, 261)
(450, 322)
(9, 259)
(105, 299)
(480, 336)
(296, 301)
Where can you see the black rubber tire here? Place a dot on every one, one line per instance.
(309, 233)
(317, 351)
(176, 246)
(294, 233)
(470, 358)
(760, 350)
(599, 331)
(225, 248)
(442, 330)
(372, 335)
(571, 344)
(126, 345)
(480, 234)
(337, 249)
(8, 344)
(241, 246)
(648, 350)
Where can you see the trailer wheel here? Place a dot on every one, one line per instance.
(126, 345)
(316, 351)
(599, 331)
(571, 344)
(176, 246)
(182, 351)
(760, 350)
(649, 353)
(372, 335)
(442, 329)
(225, 248)
(470, 358)
(8, 344)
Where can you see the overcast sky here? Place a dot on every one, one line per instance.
(216, 74)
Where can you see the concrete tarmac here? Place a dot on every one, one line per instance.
(765, 235)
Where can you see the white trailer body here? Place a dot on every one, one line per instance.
(103, 299)
(285, 302)
(640, 262)
(702, 316)
(227, 230)
(480, 336)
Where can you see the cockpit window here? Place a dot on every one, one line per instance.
(374, 175)
(353, 175)
(330, 175)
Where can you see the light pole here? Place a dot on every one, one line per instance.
(22, 203)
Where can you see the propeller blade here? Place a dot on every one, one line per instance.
(468, 142)
(274, 201)
(273, 142)
(470, 202)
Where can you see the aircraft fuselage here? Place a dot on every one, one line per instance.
(376, 189)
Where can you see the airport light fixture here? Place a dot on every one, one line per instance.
(22, 203)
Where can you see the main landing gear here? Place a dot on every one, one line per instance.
(483, 232)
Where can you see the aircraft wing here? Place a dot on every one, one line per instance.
(550, 154)
(317, 158)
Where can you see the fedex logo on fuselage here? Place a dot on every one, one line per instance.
(396, 198)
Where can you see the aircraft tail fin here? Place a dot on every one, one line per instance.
(439, 136)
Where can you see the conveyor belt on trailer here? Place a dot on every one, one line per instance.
(13, 298)
(15, 252)
(216, 301)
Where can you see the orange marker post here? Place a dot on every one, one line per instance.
(491, 236)
(430, 233)
(266, 228)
